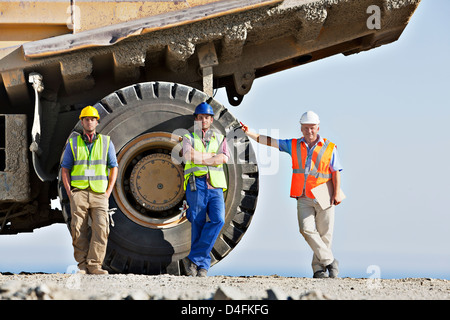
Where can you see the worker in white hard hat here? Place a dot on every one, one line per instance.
(315, 161)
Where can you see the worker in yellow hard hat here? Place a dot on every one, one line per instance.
(315, 161)
(88, 184)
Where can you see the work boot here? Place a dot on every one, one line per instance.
(82, 271)
(190, 267)
(333, 269)
(98, 271)
(202, 272)
(321, 274)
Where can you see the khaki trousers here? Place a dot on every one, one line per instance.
(316, 226)
(89, 250)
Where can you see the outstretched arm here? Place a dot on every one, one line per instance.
(265, 140)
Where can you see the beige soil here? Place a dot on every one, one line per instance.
(75, 286)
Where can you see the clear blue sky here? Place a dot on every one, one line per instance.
(388, 111)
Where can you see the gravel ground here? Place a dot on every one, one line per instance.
(166, 287)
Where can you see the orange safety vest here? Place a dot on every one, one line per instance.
(320, 167)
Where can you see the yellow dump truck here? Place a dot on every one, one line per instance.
(145, 65)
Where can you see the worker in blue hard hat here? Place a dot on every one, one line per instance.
(205, 152)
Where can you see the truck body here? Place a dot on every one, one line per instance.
(145, 65)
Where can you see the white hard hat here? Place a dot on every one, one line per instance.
(309, 117)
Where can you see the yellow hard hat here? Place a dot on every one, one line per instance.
(89, 111)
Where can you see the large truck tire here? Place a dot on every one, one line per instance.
(150, 234)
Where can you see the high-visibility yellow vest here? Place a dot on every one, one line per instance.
(90, 168)
(216, 173)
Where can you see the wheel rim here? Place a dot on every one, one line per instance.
(149, 188)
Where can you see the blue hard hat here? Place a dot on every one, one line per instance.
(204, 108)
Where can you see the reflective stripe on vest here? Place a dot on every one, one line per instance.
(216, 174)
(319, 169)
(95, 160)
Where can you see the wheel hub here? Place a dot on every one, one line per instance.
(156, 183)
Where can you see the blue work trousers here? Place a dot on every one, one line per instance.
(204, 202)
